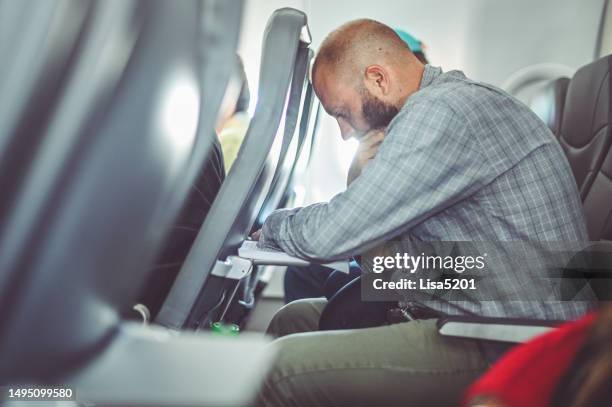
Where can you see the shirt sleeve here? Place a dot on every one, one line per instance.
(428, 161)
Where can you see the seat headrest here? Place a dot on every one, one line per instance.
(548, 102)
(586, 133)
(588, 103)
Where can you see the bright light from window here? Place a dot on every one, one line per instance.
(347, 151)
(179, 111)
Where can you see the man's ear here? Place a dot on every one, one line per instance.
(377, 80)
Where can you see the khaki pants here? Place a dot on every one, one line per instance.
(407, 364)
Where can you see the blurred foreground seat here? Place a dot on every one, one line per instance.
(113, 106)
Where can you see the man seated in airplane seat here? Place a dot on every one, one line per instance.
(460, 161)
(318, 281)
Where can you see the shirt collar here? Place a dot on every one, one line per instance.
(429, 74)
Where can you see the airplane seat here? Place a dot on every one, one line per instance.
(297, 111)
(598, 212)
(46, 36)
(290, 159)
(103, 183)
(202, 193)
(52, 309)
(585, 132)
(281, 195)
(548, 102)
(598, 203)
(181, 235)
(208, 278)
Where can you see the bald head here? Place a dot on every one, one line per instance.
(363, 73)
(359, 43)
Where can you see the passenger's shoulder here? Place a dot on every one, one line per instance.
(427, 112)
(459, 91)
(431, 103)
(469, 98)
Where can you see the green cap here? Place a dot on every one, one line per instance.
(414, 44)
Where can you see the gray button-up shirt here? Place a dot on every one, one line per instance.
(461, 161)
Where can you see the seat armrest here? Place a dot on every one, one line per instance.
(510, 330)
(153, 366)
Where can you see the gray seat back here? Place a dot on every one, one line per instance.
(242, 194)
(598, 203)
(94, 201)
(38, 40)
(299, 127)
(598, 212)
(310, 127)
(586, 133)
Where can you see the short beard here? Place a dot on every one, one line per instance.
(376, 113)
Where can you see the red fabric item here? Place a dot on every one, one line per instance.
(528, 374)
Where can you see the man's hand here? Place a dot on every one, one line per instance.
(368, 147)
(256, 235)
